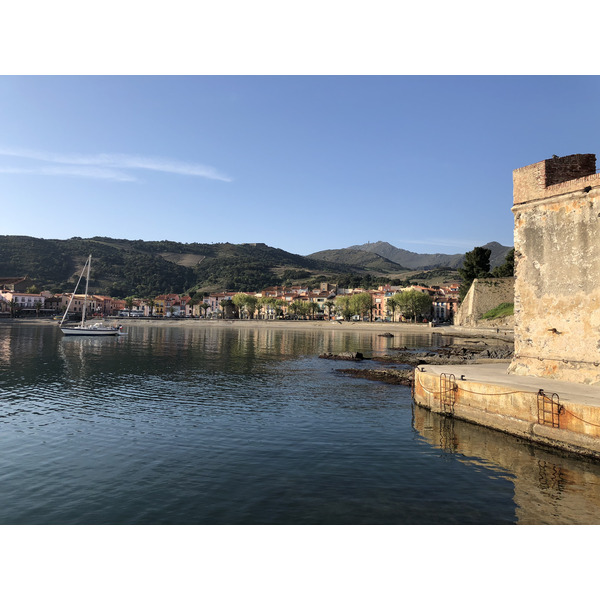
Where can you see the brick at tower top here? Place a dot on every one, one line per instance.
(536, 181)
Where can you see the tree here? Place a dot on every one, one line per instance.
(329, 304)
(267, 303)
(508, 268)
(361, 304)
(413, 303)
(226, 306)
(251, 302)
(245, 302)
(342, 305)
(304, 309)
(129, 302)
(273, 306)
(372, 307)
(151, 304)
(38, 306)
(204, 307)
(392, 305)
(475, 265)
(260, 306)
(279, 304)
(296, 307)
(239, 300)
(193, 301)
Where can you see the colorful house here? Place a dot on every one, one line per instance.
(28, 303)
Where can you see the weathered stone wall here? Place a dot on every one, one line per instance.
(557, 267)
(484, 295)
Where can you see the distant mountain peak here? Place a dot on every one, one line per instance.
(414, 260)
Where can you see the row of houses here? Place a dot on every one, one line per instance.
(14, 298)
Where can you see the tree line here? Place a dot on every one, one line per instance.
(412, 304)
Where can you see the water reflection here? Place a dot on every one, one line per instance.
(21, 346)
(549, 487)
(246, 425)
(170, 350)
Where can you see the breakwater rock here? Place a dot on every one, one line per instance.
(449, 355)
(343, 356)
(393, 376)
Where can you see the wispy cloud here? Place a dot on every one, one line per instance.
(71, 171)
(106, 166)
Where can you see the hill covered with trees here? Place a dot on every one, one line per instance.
(139, 268)
(134, 267)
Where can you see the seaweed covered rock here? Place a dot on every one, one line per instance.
(393, 376)
(343, 356)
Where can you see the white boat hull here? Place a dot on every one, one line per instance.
(95, 331)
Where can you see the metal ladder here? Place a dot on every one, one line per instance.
(448, 389)
(549, 409)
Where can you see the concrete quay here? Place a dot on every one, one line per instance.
(551, 412)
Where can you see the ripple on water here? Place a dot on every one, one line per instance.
(230, 426)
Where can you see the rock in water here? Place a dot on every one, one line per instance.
(343, 356)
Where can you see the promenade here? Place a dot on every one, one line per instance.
(547, 411)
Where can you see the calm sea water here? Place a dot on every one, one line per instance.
(249, 426)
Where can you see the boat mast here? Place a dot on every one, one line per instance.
(87, 281)
(73, 295)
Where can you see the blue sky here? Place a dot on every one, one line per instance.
(303, 163)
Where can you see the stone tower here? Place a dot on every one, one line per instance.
(557, 258)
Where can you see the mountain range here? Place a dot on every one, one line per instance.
(136, 267)
(408, 260)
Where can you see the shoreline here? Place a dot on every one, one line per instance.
(506, 335)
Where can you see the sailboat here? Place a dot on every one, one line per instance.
(82, 328)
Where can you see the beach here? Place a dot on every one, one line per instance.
(506, 335)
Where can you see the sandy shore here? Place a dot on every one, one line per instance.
(393, 328)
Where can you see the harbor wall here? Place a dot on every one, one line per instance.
(569, 425)
(484, 295)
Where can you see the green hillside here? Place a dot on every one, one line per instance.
(135, 267)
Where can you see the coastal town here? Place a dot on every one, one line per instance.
(19, 298)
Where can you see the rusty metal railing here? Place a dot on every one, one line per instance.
(549, 409)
